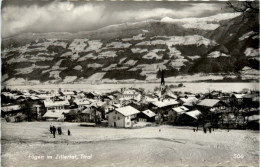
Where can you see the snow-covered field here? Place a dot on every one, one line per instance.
(193, 87)
(173, 146)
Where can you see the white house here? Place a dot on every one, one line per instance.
(176, 112)
(131, 94)
(82, 103)
(55, 105)
(122, 117)
(55, 115)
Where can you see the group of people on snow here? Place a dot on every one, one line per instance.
(53, 131)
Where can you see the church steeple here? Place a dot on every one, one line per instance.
(162, 79)
(162, 86)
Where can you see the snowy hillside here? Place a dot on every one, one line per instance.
(133, 51)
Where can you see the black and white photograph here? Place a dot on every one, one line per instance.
(92, 83)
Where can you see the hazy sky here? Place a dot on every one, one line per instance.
(19, 16)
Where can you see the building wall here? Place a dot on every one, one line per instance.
(172, 116)
(115, 116)
(55, 108)
(128, 122)
(142, 120)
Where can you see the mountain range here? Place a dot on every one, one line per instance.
(223, 46)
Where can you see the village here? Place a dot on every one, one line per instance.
(135, 108)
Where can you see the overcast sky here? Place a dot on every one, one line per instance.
(19, 16)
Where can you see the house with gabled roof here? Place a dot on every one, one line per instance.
(194, 114)
(165, 103)
(11, 110)
(180, 110)
(251, 99)
(146, 116)
(190, 118)
(175, 113)
(130, 94)
(212, 105)
(191, 103)
(123, 117)
(90, 115)
(237, 98)
(162, 107)
(55, 105)
(55, 115)
(81, 103)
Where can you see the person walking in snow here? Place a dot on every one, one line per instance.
(54, 131)
(51, 129)
(68, 132)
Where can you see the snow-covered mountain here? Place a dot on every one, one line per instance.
(219, 44)
(204, 23)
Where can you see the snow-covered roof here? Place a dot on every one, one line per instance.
(81, 102)
(26, 94)
(164, 103)
(246, 68)
(188, 99)
(96, 103)
(131, 92)
(55, 103)
(191, 102)
(95, 93)
(168, 93)
(256, 99)
(171, 95)
(55, 113)
(68, 93)
(253, 118)
(88, 111)
(34, 98)
(117, 105)
(10, 108)
(249, 95)
(81, 94)
(149, 99)
(19, 96)
(180, 109)
(45, 96)
(111, 97)
(127, 110)
(239, 96)
(149, 113)
(209, 102)
(194, 114)
(7, 94)
(126, 98)
(107, 106)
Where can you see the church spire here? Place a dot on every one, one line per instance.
(162, 86)
(162, 78)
